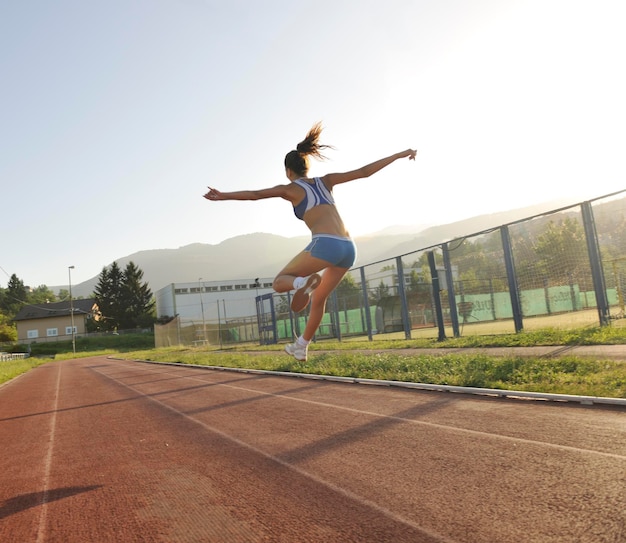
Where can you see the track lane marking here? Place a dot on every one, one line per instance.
(43, 516)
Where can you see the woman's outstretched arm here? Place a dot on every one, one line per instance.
(333, 179)
(279, 191)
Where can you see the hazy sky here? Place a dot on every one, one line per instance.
(116, 115)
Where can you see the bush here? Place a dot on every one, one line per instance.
(85, 344)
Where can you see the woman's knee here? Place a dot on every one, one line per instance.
(282, 283)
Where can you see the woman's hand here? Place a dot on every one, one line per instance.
(408, 153)
(213, 194)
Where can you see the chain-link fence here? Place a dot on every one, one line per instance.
(565, 268)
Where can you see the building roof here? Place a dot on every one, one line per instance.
(56, 309)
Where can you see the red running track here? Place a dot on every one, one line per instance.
(99, 450)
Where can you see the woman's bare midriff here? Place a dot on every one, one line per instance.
(324, 219)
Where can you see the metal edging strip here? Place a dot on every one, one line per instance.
(501, 393)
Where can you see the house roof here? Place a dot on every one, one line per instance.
(56, 309)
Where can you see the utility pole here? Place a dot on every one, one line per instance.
(202, 309)
(69, 272)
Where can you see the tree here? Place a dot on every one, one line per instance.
(380, 292)
(415, 280)
(348, 293)
(479, 264)
(13, 297)
(124, 301)
(136, 298)
(8, 332)
(108, 296)
(562, 251)
(41, 295)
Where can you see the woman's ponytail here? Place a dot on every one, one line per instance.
(310, 145)
(297, 160)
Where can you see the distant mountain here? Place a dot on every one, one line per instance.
(400, 229)
(248, 256)
(263, 255)
(381, 247)
(435, 235)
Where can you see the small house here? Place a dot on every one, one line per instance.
(53, 321)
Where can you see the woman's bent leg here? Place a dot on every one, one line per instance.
(330, 279)
(302, 265)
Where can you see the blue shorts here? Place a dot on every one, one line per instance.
(338, 251)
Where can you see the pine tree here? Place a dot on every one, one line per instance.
(14, 297)
(124, 301)
(136, 298)
(108, 296)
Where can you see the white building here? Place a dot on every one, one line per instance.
(206, 301)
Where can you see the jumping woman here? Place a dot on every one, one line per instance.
(331, 248)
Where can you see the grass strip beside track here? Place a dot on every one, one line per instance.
(12, 368)
(564, 375)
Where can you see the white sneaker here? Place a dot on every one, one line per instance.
(302, 296)
(298, 351)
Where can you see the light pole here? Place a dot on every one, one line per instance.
(202, 308)
(69, 272)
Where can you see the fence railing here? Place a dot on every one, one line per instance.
(6, 357)
(564, 268)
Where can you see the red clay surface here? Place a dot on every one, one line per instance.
(99, 450)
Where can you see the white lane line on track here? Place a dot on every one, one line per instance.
(335, 488)
(43, 516)
(468, 431)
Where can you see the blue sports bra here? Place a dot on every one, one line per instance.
(316, 194)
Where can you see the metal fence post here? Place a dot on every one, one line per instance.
(366, 305)
(294, 320)
(454, 314)
(516, 306)
(436, 296)
(595, 260)
(266, 324)
(335, 314)
(406, 321)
